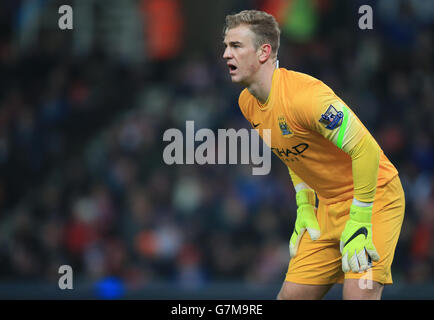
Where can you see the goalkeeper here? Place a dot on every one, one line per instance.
(352, 234)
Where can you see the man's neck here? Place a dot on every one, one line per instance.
(261, 88)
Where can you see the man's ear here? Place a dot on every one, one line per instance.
(264, 52)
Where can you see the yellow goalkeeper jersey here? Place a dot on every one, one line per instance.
(312, 131)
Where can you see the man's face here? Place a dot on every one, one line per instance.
(240, 54)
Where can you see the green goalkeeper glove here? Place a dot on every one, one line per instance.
(306, 219)
(356, 241)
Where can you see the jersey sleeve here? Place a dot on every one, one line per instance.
(330, 117)
(298, 183)
(326, 114)
(366, 159)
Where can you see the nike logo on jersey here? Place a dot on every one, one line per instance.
(255, 125)
(360, 231)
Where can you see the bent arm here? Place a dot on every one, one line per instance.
(365, 157)
(304, 193)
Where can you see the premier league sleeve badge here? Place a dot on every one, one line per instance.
(332, 118)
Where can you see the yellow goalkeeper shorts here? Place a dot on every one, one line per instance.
(319, 262)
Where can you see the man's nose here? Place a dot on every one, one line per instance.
(227, 54)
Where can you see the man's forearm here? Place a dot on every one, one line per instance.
(366, 158)
(297, 182)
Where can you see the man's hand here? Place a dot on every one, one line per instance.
(356, 241)
(306, 219)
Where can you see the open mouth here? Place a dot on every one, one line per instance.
(232, 68)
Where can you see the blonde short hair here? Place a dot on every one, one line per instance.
(262, 24)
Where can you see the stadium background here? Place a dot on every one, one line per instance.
(83, 111)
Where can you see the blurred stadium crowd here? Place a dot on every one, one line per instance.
(83, 181)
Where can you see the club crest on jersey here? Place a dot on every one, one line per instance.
(286, 132)
(332, 118)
